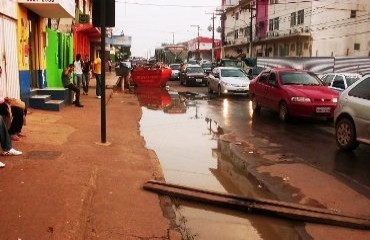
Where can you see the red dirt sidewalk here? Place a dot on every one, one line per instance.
(67, 185)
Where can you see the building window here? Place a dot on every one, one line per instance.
(236, 34)
(299, 49)
(237, 16)
(357, 46)
(274, 1)
(293, 19)
(292, 47)
(300, 19)
(246, 31)
(271, 24)
(276, 23)
(353, 14)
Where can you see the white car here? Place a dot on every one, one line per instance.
(175, 67)
(228, 80)
(340, 81)
(352, 115)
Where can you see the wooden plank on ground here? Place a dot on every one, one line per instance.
(263, 206)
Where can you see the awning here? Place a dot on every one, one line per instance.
(89, 30)
(51, 9)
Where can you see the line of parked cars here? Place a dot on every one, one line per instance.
(340, 97)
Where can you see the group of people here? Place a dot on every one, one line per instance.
(13, 111)
(12, 118)
(81, 69)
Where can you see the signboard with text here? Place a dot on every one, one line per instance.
(124, 41)
(83, 18)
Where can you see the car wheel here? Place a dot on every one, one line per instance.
(283, 112)
(219, 92)
(345, 134)
(209, 89)
(255, 106)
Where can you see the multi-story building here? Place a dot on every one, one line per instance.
(298, 28)
(201, 47)
(237, 30)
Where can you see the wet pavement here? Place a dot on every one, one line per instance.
(194, 137)
(188, 149)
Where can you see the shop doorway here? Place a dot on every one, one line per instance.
(34, 49)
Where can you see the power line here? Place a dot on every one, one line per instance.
(165, 5)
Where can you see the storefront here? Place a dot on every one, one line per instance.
(42, 47)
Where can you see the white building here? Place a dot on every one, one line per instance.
(283, 28)
(237, 27)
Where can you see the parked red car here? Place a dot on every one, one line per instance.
(292, 92)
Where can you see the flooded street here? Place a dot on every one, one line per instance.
(189, 152)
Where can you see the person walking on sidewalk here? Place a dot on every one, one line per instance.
(66, 80)
(77, 76)
(97, 72)
(86, 68)
(110, 65)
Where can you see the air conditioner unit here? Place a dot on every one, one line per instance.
(306, 29)
(295, 30)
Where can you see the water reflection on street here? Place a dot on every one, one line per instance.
(186, 144)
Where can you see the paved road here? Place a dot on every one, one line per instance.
(311, 141)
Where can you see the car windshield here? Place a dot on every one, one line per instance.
(232, 64)
(192, 62)
(207, 65)
(175, 67)
(232, 73)
(194, 70)
(299, 78)
(351, 79)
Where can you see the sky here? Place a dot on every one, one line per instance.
(153, 22)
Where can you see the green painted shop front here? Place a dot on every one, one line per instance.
(59, 53)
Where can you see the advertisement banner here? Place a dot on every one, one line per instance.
(124, 41)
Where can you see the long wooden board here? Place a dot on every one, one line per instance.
(261, 206)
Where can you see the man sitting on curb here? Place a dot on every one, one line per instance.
(66, 80)
(6, 142)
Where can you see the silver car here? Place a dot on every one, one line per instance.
(228, 80)
(352, 115)
(340, 81)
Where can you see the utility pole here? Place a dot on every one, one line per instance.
(198, 50)
(173, 38)
(251, 32)
(212, 28)
(213, 37)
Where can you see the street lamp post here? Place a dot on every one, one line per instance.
(213, 37)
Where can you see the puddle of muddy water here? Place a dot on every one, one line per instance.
(186, 146)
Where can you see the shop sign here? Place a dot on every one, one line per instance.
(84, 18)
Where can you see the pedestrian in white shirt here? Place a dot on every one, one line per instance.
(78, 63)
